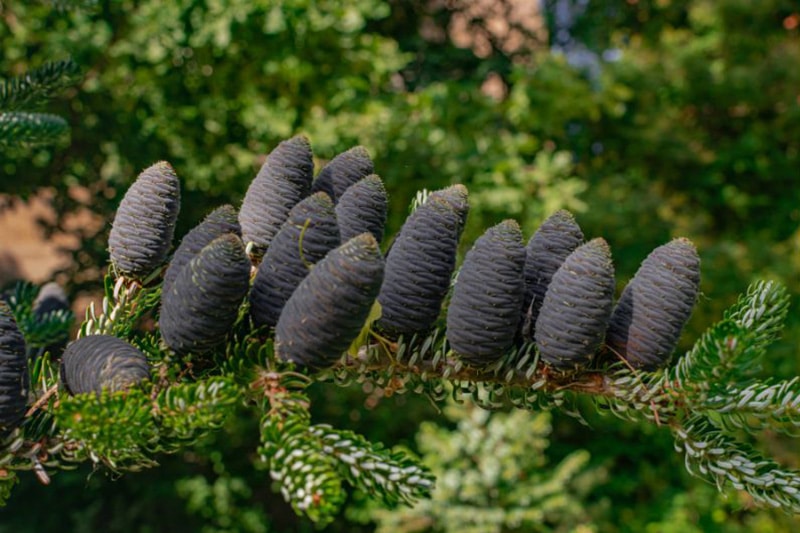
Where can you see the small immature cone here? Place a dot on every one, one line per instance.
(342, 171)
(203, 303)
(328, 309)
(656, 305)
(419, 267)
(284, 180)
(13, 372)
(363, 207)
(484, 311)
(219, 222)
(556, 238)
(576, 307)
(51, 298)
(141, 234)
(97, 362)
(304, 239)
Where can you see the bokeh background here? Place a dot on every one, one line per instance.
(648, 119)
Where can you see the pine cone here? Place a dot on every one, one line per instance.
(51, 298)
(343, 171)
(13, 372)
(656, 304)
(576, 307)
(363, 207)
(419, 267)
(284, 180)
(97, 362)
(141, 234)
(328, 309)
(484, 311)
(457, 197)
(312, 226)
(555, 239)
(202, 304)
(219, 222)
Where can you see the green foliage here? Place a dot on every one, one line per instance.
(7, 482)
(219, 504)
(38, 86)
(691, 132)
(40, 330)
(494, 475)
(311, 461)
(716, 455)
(19, 126)
(115, 428)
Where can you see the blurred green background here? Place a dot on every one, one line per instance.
(648, 119)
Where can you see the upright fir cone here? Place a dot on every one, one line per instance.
(141, 234)
(363, 207)
(419, 266)
(484, 311)
(457, 197)
(576, 307)
(284, 180)
(203, 302)
(51, 298)
(328, 309)
(97, 362)
(303, 240)
(556, 238)
(13, 372)
(342, 171)
(219, 222)
(655, 306)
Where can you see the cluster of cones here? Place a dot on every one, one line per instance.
(304, 253)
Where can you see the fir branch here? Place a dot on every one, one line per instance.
(731, 350)
(712, 453)
(715, 358)
(306, 474)
(20, 128)
(758, 406)
(125, 302)
(312, 461)
(117, 429)
(187, 410)
(41, 330)
(394, 477)
(36, 87)
(761, 311)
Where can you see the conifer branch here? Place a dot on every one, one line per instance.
(36, 87)
(21, 128)
(711, 453)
